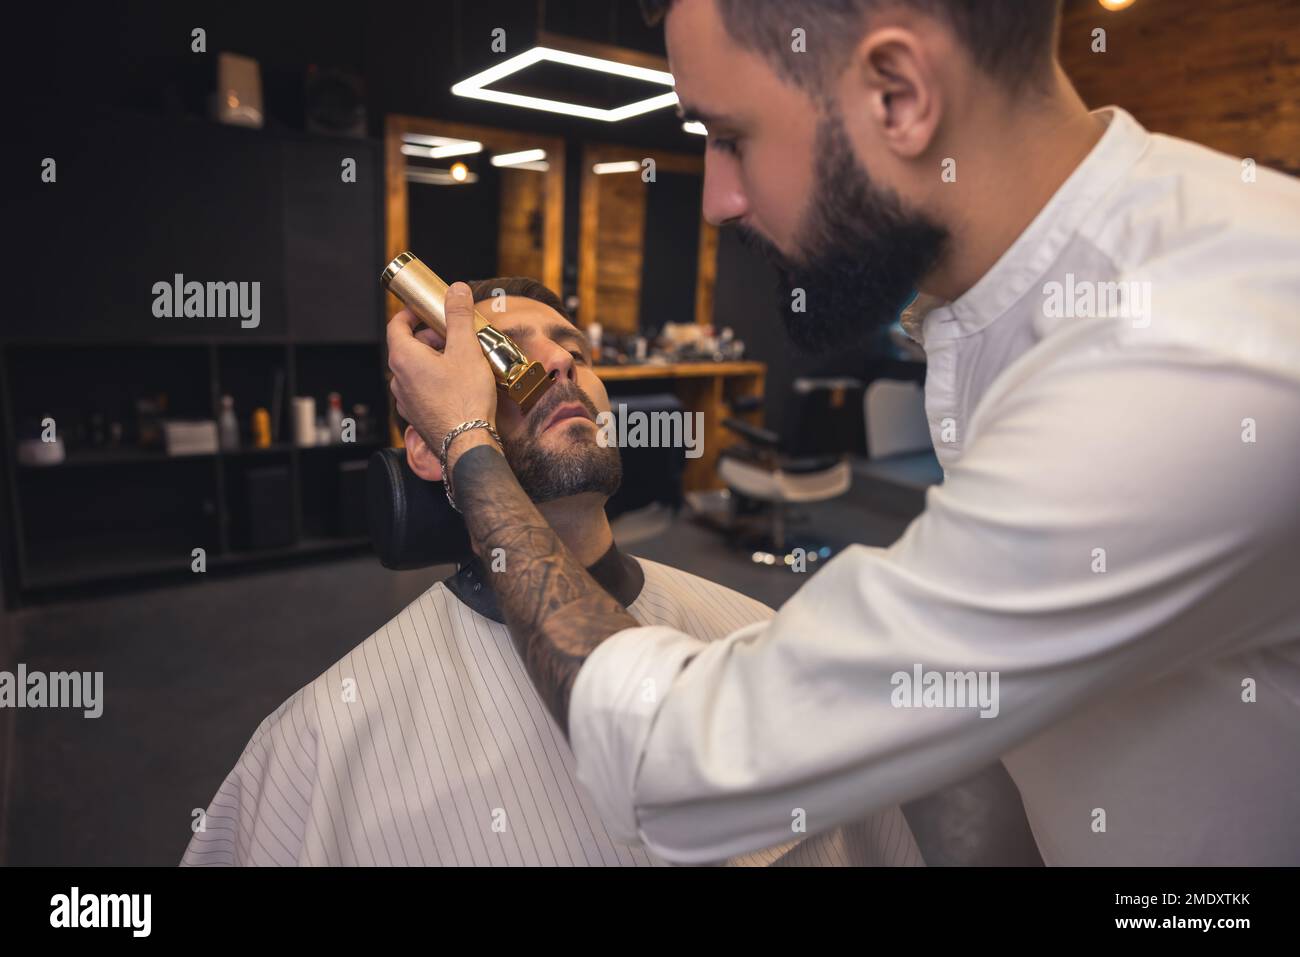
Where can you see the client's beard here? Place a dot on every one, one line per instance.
(860, 252)
(584, 466)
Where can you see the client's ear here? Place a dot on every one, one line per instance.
(422, 459)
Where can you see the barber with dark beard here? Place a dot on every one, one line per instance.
(1113, 389)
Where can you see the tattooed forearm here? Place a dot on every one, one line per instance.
(555, 611)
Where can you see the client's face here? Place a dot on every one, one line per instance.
(553, 450)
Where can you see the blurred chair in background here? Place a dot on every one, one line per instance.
(900, 463)
(767, 473)
(651, 494)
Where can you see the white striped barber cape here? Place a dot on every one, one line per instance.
(428, 745)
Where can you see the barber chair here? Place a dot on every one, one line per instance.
(651, 494)
(413, 526)
(767, 474)
(900, 465)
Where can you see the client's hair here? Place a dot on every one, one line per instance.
(482, 289)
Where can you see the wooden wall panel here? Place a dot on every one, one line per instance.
(1225, 73)
(620, 226)
(495, 140)
(520, 246)
(609, 276)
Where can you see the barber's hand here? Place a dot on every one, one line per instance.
(439, 385)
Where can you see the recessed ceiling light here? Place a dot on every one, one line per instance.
(424, 139)
(695, 126)
(438, 177)
(622, 166)
(519, 158)
(475, 86)
(448, 147)
(1115, 4)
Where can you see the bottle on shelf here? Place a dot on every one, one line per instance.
(334, 421)
(261, 429)
(228, 425)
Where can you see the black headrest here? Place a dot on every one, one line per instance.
(412, 524)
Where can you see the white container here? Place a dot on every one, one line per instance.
(228, 425)
(37, 452)
(304, 420)
(183, 437)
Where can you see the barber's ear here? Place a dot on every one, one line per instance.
(422, 459)
(898, 73)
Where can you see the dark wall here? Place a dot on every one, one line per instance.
(139, 55)
(746, 299)
(469, 250)
(670, 262)
(141, 198)
(8, 656)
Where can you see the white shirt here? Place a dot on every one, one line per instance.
(1117, 541)
(427, 744)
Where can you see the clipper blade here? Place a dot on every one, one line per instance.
(529, 386)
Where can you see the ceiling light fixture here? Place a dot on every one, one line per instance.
(519, 158)
(438, 177)
(621, 166)
(475, 86)
(424, 139)
(443, 150)
(695, 126)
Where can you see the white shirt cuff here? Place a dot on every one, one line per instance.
(615, 699)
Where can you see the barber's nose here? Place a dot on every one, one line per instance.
(724, 199)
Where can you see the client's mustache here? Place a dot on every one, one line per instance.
(557, 395)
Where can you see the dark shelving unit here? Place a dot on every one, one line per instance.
(219, 204)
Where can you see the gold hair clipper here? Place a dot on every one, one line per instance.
(424, 293)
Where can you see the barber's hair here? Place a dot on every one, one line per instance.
(1013, 41)
(483, 289)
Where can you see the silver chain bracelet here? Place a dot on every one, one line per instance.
(446, 444)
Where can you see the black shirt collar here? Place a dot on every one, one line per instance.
(619, 574)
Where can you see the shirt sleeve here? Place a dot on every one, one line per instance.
(1111, 519)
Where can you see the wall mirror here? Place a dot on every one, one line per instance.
(474, 201)
(646, 256)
